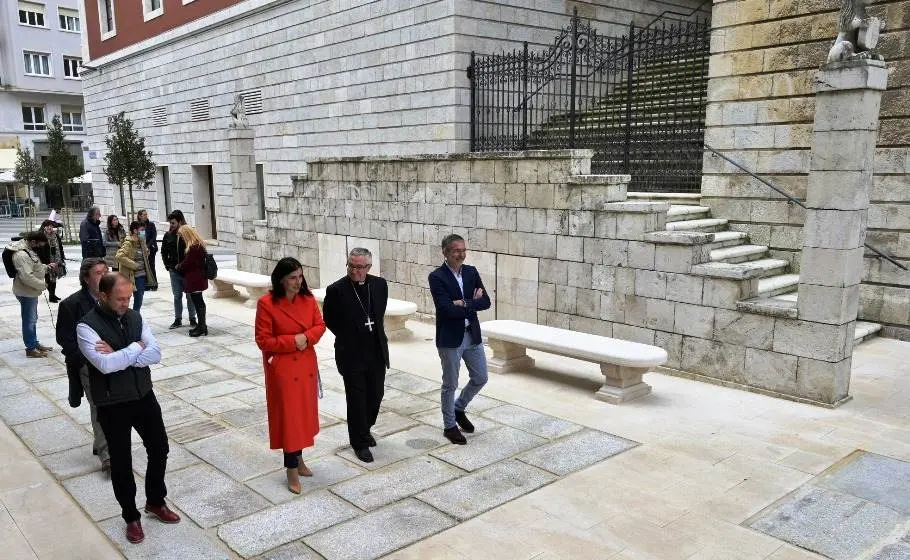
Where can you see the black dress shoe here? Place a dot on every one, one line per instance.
(176, 324)
(364, 455)
(371, 441)
(454, 435)
(193, 322)
(463, 421)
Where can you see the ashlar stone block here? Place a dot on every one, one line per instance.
(823, 381)
(831, 267)
(835, 229)
(843, 151)
(694, 320)
(819, 341)
(771, 370)
(680, 258)
(714, 359)
(744, 329)
(826, 304)
(839, 190)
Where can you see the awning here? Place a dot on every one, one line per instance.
(7, 176)
(7, 158)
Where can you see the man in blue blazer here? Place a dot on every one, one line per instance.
(458, 294)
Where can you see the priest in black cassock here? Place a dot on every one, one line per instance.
(354, 309)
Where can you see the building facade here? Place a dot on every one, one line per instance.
(318, 79)
(40, 77)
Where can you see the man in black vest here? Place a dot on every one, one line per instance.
(354, 310)
(72, 310)
(119, 348)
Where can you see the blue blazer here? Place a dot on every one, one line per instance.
(450, 327)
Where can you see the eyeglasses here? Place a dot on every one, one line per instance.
(359, 266)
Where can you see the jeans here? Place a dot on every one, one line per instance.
(139, 294)
(29, 307)
(476, 361)
(177, 290)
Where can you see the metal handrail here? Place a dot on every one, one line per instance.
(793, 200)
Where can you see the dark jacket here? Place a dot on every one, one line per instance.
(128, 385)
(344, 317)
(192, 268)
(90, 239)
(70, 312)
(151, 236)
(173, 249)
(44, 253)
(450, 327)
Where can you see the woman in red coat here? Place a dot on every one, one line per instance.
(288, 326)
(192, 268)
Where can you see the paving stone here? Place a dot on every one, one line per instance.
(410, 383)
(211, 498)
(212, 376)
(331, 379)
(256, 378)
(82, 414)
(95, 494)
(284, 523)
(35, 372)
(538, 424)
(291, 551)
(485, 489)
(380, 532)
(218, 389)
(185, 540)
(333, 402)
(210, 351)
(72, 462)
(260, 432)
(487, 448)
(173, 339)
(391, 422)
(176, 412)
(479, 403)
(185, 368)
(175, 384)
(399, 446)
(51, 435)
(219, 405)
(405, 403)
(325, 420)
(243, 417)
(240, 366)
(327, 470)
(12, 385)
(836, 525)
(197, 429)
(896, 551)
(434, 418)
(251, 396)
(55, 389)
(177, 457)
(235, 455)
(250, 350)
(576, 451)
(26, 407)
(873, 477)
(395, 482)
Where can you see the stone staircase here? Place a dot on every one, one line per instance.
(732, 255)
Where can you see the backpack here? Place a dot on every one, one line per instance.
(211, 267)
(8, 263)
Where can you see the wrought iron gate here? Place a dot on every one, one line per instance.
(638, 100)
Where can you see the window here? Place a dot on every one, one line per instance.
(71, 118)
(37, 64)
(33, 117)
(107, 19)
(31, 14)
(69, 20)
(71, 67)
(260, 190)
(152, 9)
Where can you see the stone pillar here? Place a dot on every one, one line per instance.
(243, 179)
(848, 97)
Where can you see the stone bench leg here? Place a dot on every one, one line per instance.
(255, 294)
(395, 328)
(223, 289)
(622, 384)
(507, 357)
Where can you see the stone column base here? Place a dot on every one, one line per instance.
(395, 328)
(223, 289)
(507, 357)
(622, 384)
(255, 294)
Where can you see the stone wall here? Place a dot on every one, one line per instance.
(765, 54)
(555, 246)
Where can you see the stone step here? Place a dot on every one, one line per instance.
(728, 239)
(768, 306)
(770, 286)
(864, 331)
(707, 225)
(681, 198)
(762, 268)
(739, 253)
(683, 212)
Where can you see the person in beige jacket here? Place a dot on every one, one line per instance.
(134, 264)
(27, 287)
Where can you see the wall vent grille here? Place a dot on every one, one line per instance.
(159, 116)
(199, 109)
(252, 101)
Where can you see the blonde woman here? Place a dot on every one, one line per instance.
(192, 268)
(133, 259)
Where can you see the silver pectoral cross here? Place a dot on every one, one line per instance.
(369, 324)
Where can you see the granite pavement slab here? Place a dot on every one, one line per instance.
(291, 551)
(488, 447)
(243, 417)
(284, 523)
(51, 435)
(72, 462)
(896, 551)
(240, 365)
(26, 407)
(211, 376)
(380, 532)
(405, 403)
(402, 445)
(479, 403)
(576, 451)
(328, 441)
(839, 526)
(485, 489)
(873, 477)
(239, 457)
(176, 412)
(390, 422)
(55, 389)
(33, 372)
(95, 494)
(226, 387)
(327, 471)
(410, 383)
(219, 405)
(536, 423)
(177, 458)
(178, 370)
(183, 541)
(333, 402)
(174, 339)
(210, 497)
(434, 418)
(251, 396)
(395, 482)
(12, 385)
(250, 350)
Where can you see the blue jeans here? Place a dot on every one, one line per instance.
(177, 290)
(29, 307)
(139, 294)
(476, 361)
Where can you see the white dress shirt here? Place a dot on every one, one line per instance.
(460, 280)
(132, 355)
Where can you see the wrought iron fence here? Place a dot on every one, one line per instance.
(638, 100)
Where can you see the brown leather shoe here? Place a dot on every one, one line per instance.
(293, 481)
(163, 513)
(302, 469)
(35, 353)
(44, 348)
(134, 532)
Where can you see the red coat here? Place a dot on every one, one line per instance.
(291, 385)
(192, 267)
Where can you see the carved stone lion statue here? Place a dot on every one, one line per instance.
(238, 113)
(857, 33)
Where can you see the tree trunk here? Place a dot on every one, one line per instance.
(129, 217)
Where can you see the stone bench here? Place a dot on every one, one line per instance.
(622, 362)
(396, 314)
(257, 285)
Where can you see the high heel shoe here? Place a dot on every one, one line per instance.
(293, 481)
(302, 469)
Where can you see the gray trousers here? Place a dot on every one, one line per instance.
(99, 447)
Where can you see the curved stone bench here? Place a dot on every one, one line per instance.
(396, 314)
(622, 362)
(257, 285)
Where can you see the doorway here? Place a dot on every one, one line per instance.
(163, 183)
(204, 201)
